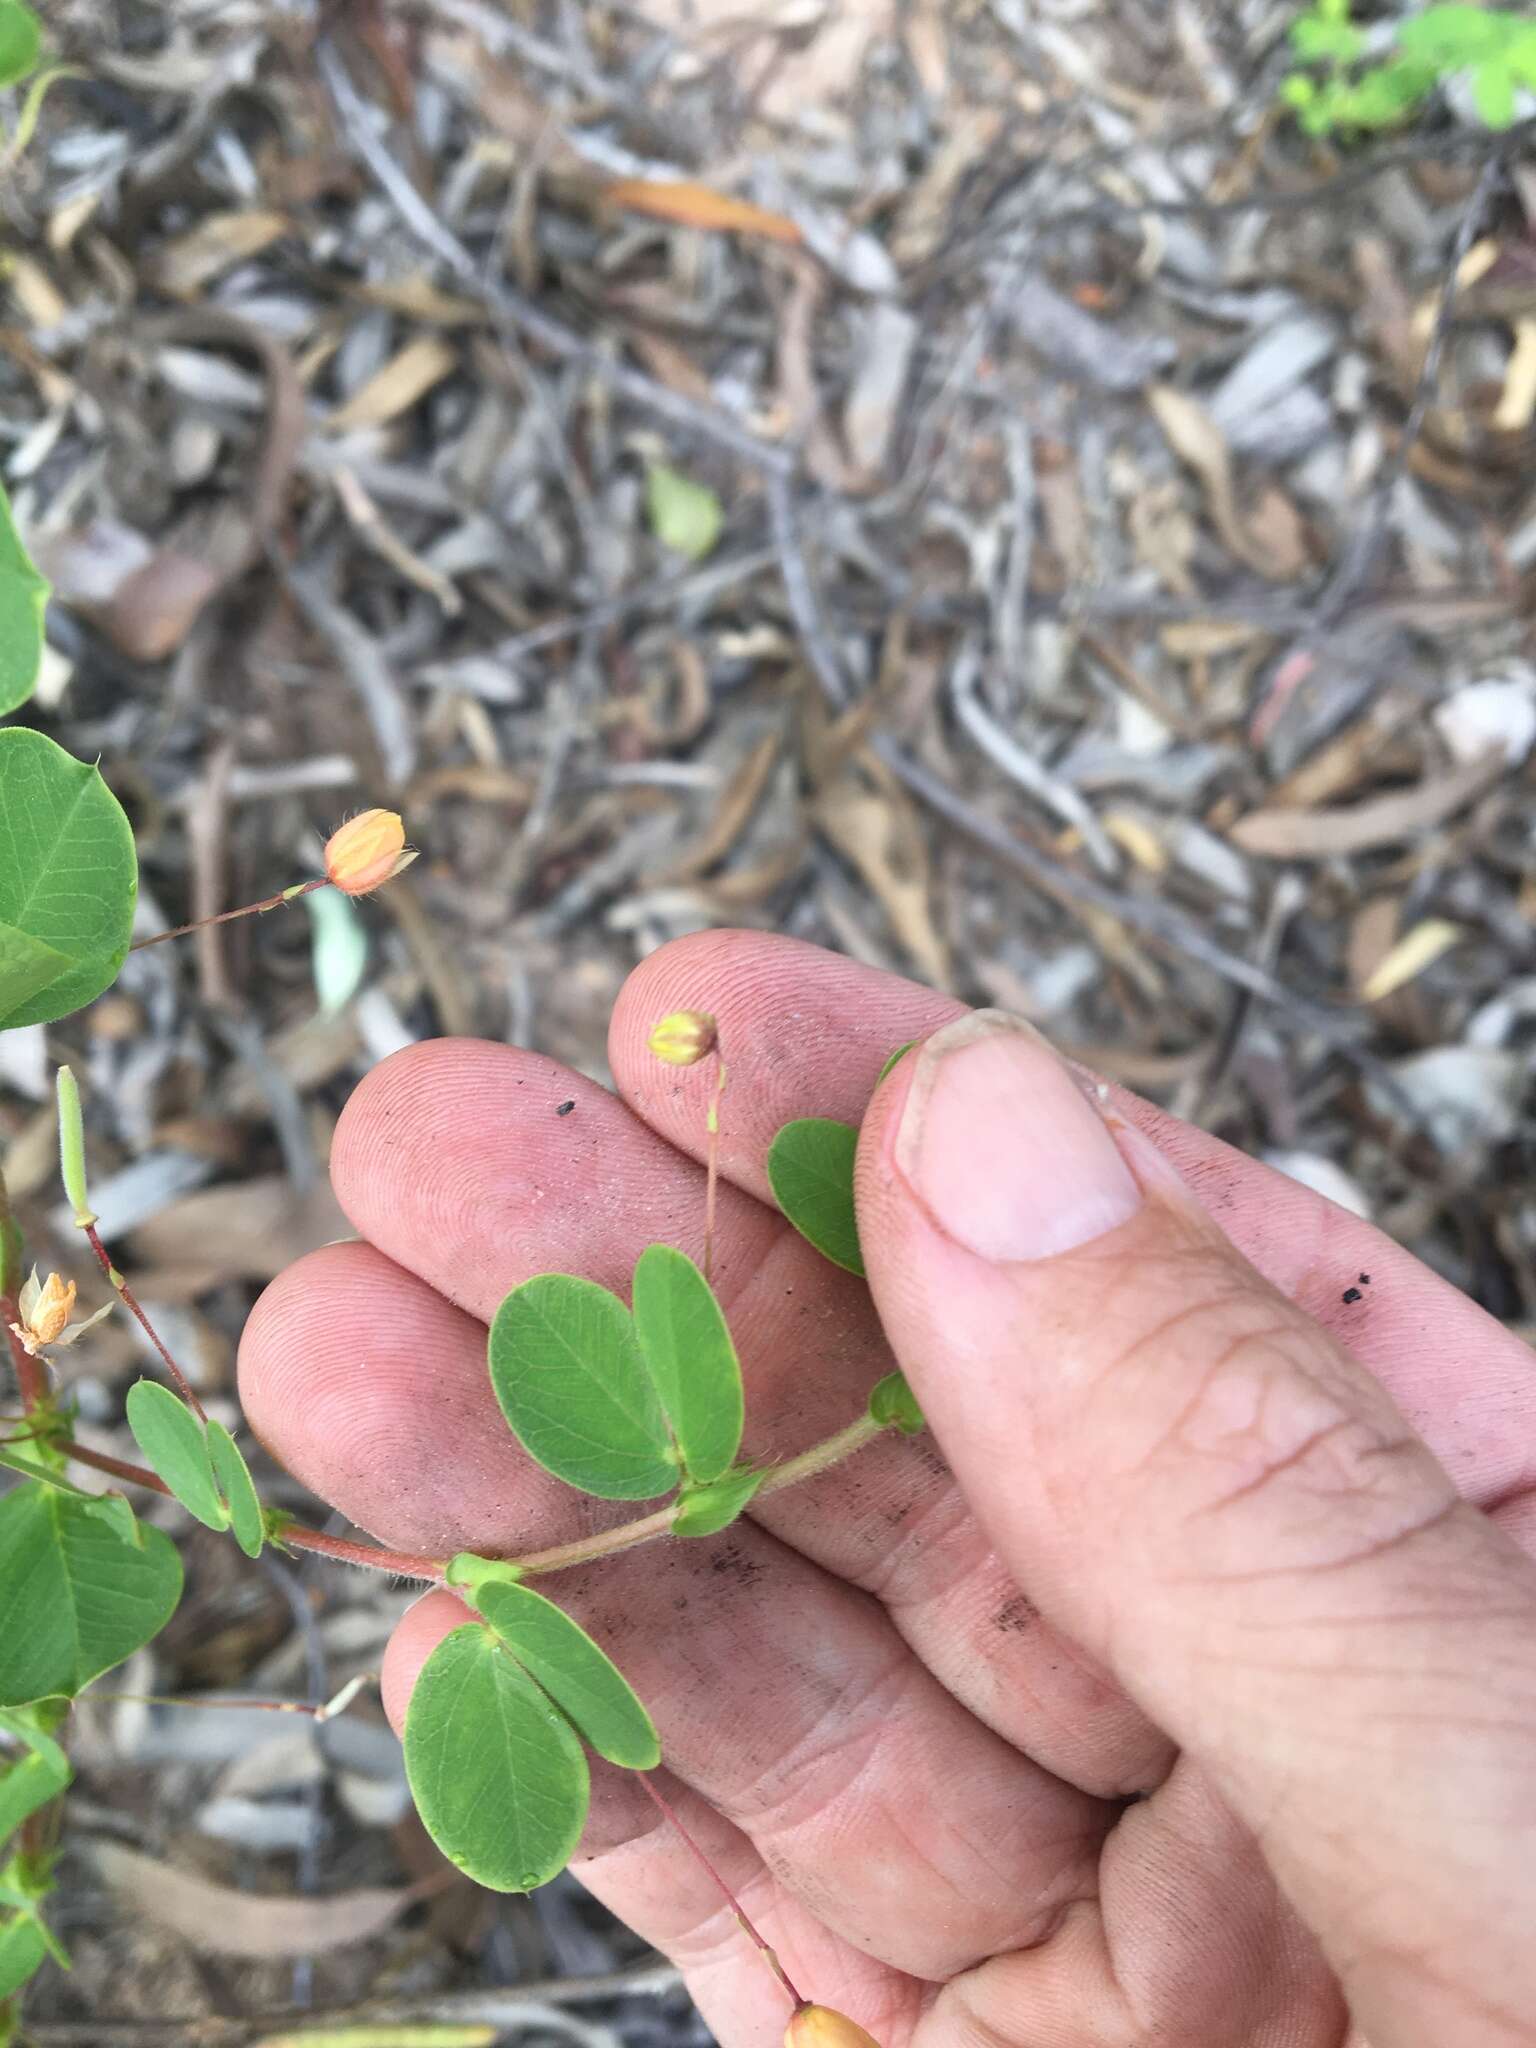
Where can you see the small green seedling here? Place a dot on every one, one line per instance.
(1353, 80)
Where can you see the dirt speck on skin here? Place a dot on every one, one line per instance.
(733, 1560)
(1015, 1616)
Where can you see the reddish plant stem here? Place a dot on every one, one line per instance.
(740, 1917)
(712, 1165)
(226, 916)
(119, 1468)
(183, 1385)
(31, 1373)
(400, 1564)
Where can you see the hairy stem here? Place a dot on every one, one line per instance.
(738, 1914)
(819, 1458)
(225, 916)
(401, 1564)
(183, 1385)
(559, 1557)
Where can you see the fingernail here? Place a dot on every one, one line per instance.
(1002, 1147)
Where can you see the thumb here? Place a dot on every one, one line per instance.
(1194, 1480)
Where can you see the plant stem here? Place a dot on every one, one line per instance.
(712, 1165)
(400, 1564)
(819, 1458)
(31, 1373)
(559, 1557)
(225, 916)
(184, 1386)
(737, 1912)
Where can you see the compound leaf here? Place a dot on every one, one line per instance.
(581, 1679)
(68, 878)
(75, 1597)
(810, 1169)
(175, 1445)
(238, 1488)
(567, 1369)
(498, 1776)
(692, 1361)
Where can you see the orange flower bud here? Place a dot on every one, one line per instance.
(366, 852)
(683, 1038)
(818, 2026)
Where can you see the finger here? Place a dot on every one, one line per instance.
(633, 1859)
(1219, 1501)
(805, 1033)
(784, 1697)
(450, 1158)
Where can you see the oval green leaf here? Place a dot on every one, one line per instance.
(581, 1679)
(238, 1488)
(175, 1445)
(692, 1361)
(684, 515)
(68, 879)
(893, 1405)
(23, 1946)
(706, 1510)
(30, 1780)
(75, 1597)
(567, 1370)
(810, 1169)
(498, 1776)
(21, 44)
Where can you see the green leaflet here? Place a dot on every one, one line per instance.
(580, 1678)
(28, 1780)
(496, 1770)
(21, 44)
(23, 1946)
(567, 1370)
(684, 515)
(175, 1446)
(692, 1361)
(810, 1169)
(894, 1059)
(706, 1510)
(75, 1597)
(238, 1488)
(68, 878)
(893, 1405)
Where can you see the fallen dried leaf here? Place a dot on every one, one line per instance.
(1355, 828)
(394, 389)
(1414, 951)
(218, 1920)
(215, 245)
(697, 206)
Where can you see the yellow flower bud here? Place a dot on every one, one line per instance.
(683, 1038)
(49, 1309)
(818, 2026)
(366, 852)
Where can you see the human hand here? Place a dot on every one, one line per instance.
(1182, 1548)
